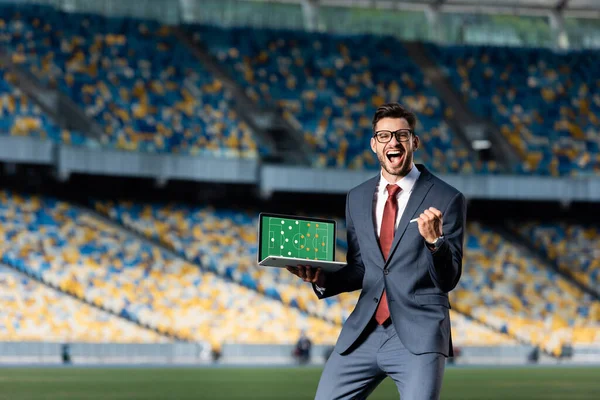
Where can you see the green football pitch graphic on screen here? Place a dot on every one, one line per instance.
(297, 238)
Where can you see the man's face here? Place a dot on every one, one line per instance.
(395, 157)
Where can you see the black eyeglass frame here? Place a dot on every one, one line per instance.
(396, 134)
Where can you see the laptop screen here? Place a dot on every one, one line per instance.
(297, 237)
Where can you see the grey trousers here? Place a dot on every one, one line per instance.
(378, 354)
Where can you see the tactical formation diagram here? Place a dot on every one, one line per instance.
(297, 238)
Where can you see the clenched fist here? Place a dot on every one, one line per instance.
(430, 224)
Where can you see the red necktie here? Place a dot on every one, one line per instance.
(386, 237)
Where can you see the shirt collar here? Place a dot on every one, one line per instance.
(406, 184)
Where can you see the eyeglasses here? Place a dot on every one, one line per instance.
(402, 135)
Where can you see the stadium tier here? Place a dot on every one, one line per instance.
(225, 242)
(545, 103)
(88, 259)
(574, 248)
(149, 93)
(31, 311)
(501, 286)
(468, 332)
(134, 77)
(331, 86)
(103, 265)
(19, 116)
(505, 287)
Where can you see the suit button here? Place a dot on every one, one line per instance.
(386, 271)
(375, 300)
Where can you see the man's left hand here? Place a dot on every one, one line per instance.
(430, 224)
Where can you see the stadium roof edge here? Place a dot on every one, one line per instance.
(570, 8)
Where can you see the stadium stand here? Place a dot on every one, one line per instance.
(505, 287)
(467, 331)
(224, 241)
(331, 85)
(150, 94)
(490, 291)
(545, 103)
(19, 116)
(87, 259)
(132, 76)
(574, 247)
(31, 311)
(103, 265)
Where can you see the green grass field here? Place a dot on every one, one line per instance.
(281, 383)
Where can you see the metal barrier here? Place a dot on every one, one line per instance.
(239, 354)
(104, 353)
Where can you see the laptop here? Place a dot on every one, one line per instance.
(293, 240)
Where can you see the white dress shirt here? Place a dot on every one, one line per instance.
(381, 195)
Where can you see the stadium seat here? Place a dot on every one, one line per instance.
(467, 331)
(133, 77)
(544, 102)
(573, 247)
(31, 311)
(501, 286)
(224, 242)
(94, 261)
(505, 287)
(19, 116)
(330, 86)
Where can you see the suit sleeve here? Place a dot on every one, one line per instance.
(446, 266)
(350, 277)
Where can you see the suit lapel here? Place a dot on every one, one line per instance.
(422, 187)
(369, 225)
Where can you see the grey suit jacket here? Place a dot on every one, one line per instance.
(417, 280)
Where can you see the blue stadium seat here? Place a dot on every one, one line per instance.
(81, 255)
(545, 102)
(331, 86)
(134, 77)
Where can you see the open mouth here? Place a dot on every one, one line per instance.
(394, 156)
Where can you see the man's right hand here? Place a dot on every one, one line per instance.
(308, 274)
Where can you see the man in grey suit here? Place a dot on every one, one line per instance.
(405, 247)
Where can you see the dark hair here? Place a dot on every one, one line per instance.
(394, 110)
